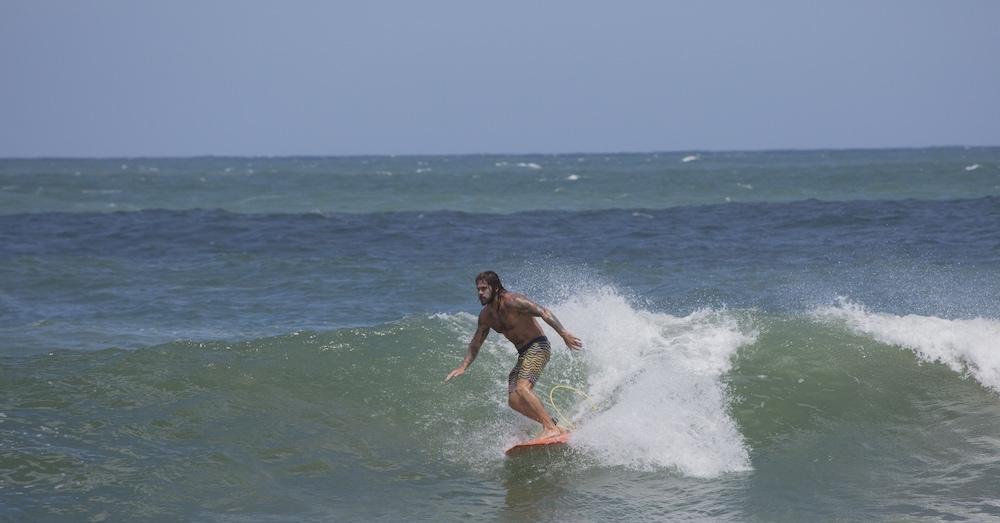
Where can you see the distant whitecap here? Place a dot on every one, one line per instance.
(691, 158)
(573, 177)
(529, 165)
(972, 167)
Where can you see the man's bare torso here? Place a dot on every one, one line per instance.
(517, 326)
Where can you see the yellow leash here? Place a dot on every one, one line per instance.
(552, 403)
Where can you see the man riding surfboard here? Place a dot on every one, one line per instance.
(513, 315)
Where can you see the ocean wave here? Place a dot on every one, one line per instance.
(700, 395)
(967, 346)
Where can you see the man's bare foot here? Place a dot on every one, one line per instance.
(551, 433)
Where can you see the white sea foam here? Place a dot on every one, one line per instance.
(691, 158)
(573, 177)
(529, 165)
(972, 167)
(656, 380)
(969, 346)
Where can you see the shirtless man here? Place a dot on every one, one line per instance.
(513, 315)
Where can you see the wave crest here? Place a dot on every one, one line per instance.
(967, 346)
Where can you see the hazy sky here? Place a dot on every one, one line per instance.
(178, 78)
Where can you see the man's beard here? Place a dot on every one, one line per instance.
(487, 301)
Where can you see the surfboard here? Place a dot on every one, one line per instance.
(536, 443)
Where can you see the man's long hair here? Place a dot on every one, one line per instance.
(493, 280)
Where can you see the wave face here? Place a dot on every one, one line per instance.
(714, 406)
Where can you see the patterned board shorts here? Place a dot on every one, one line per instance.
(531, 360)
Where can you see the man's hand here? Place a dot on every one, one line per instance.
(572, 342)
(457, 372)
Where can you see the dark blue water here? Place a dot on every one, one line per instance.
(89, 281)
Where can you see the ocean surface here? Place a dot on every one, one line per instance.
(769, 336)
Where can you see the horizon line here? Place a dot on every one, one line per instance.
(571, 153)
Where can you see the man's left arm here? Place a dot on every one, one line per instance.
(523, 304)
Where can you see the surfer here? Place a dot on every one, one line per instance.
(513, 315)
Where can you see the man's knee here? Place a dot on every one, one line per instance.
(523, 388)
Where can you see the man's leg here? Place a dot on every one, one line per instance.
(524, 400)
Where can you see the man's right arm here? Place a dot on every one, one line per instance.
(477, 341)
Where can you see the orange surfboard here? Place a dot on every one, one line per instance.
(561, 439)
